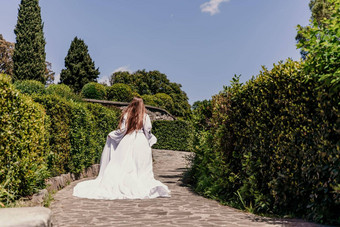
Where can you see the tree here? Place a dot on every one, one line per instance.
(80, 68)
(320, 44)
(6, 54)
(320, 10)
(29, 52)
(49, 74)
(152, 83)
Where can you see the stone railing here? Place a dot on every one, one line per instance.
(155, 113)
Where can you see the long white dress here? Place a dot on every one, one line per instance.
(125, 168)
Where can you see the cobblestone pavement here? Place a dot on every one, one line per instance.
(184, 208)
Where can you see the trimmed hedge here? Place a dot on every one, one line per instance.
(47, 135)
(30, 87)
(119, 92)
(273, 147)
(105, 120)
(161, 100)
(63, 90)
(173, 135)
(94, 90)
(59, 111)
(149, 100)
(75, 141)
(23, 143)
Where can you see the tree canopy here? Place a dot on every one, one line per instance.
(152, 83)
(6, 54)
(80, 68)
(320, 45)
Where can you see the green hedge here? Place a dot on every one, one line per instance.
(63, 90)
(119, 92)
(30, 87)
(75, 139)
(273, 147)
(23, 143)
(105, 120)
(173, 135)
(94, 90)
(47, 135)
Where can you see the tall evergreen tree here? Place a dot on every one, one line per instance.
(80, 68)
(29, 53)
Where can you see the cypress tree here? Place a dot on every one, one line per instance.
(29, 53)
(80, 68)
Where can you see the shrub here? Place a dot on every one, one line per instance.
(173, 135)
(161, 100)
(94, 90)
(59, 110)
(149, 100)
(63, 90)
(105, 120)
(24, 143)
(164, 101)
(48, 137)
(78, 132)
(119, 92)
(273, 146)
(30, 87)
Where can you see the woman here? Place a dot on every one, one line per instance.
(126, 162)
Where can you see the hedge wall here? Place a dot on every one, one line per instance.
(273, 147)
(76, 142)
(173, 135)
(105, 120)
(23, 143)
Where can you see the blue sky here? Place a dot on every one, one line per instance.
(200, 44)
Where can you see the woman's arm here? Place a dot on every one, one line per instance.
(147, 131)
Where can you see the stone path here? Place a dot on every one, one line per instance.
(184, 208)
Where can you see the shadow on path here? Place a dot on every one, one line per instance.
(183, 208)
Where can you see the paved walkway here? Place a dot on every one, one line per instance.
(184, 208)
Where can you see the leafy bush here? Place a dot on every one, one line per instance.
(164, 101)
(273, 146)
(93, 90)
(77, 136)
(63, 90)
(24, 143)
(30, 87)
(59, 110)
(119, 92)
(173, 135)
(48, 137)
(149, 100)
(161, 100)
(105, 120)
(320, 45)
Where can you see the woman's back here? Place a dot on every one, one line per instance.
(126, 165)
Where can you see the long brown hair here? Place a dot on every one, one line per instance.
(135, 114)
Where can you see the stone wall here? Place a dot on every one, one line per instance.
(155, 113)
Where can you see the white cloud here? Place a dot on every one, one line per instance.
(56, 79)
(212, 6)
(124, 68)
(106, 79)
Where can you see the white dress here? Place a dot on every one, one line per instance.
(125, 168)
